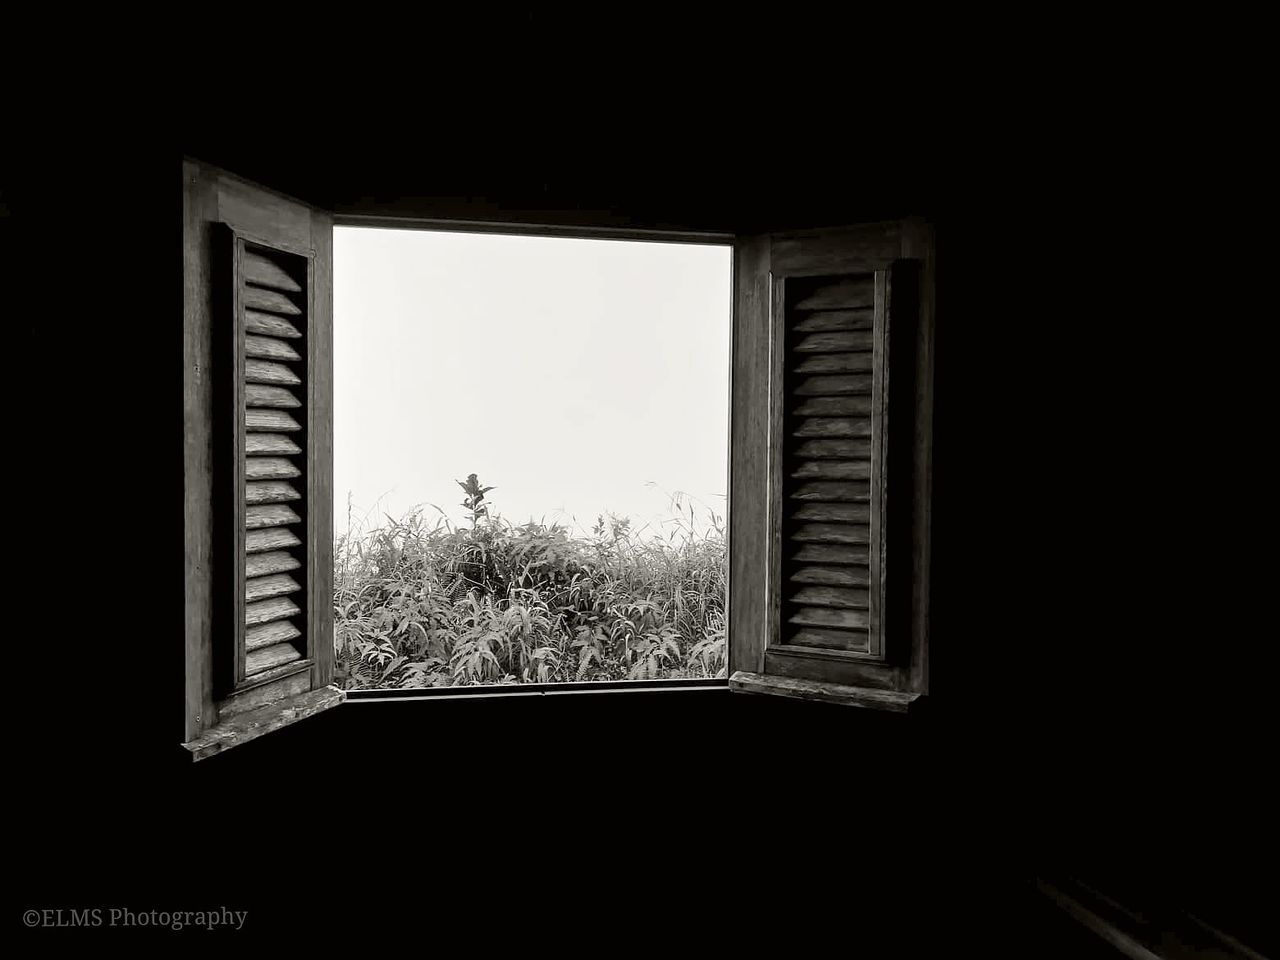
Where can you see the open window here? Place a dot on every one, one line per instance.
(829, 463)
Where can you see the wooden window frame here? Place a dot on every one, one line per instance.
(887, 677)
(573, 232)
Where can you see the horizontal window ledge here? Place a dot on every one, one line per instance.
(253, 724)
(894, 701)
(535, 689)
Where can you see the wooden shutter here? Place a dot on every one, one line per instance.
(830, 464)
(258, 309)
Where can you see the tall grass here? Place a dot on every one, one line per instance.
(428, 604)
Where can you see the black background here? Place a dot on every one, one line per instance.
(1099, 685)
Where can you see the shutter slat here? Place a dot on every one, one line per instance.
(276, 398)
(833, 407)
(825, 596)
(270, 421)
(833, 576)
(829, 617)
(833, 427)
(269, 348)
(271, 538)
(833, 492)
(262, 564)
(263, 272)
(834, 386)
(852, 554)
(260, 395)
(273, 515)
(263, 371)
(259, 588)
(276, 655)
(852, 639)
(269, 468)
(269, 491)
(265, 323)
(833, 449)
(265, 611)
(842, 295)
(826, 320)
(832, 533)
(836, 363)
(269, 443)
(257, 298)
(856, 340)
(834, 512)
(833, 470)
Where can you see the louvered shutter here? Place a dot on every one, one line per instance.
(259, 460)
(829, 491)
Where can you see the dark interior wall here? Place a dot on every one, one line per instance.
(1030, 752)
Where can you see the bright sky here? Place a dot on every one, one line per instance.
(568, 374)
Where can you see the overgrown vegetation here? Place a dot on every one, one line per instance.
(421, 604)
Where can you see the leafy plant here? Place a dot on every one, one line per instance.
(426, 604)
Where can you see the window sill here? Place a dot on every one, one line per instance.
(273, 716)
(891, 700)
(534, 690)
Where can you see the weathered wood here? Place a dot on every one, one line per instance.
(832, 406)
(266, 658)
(245, 727)
(264, 272)
(839, 250)
(262, 694)
(825, 596)
(264, 214)
(825, 320)
(879, 463)
(842, 295)
(832, 533)
(855, 340)
(832, 427)
(828, 617)
(748, 455)
(260, 395)
(269, 468)
(262, 564)
(267, 611)
(891, 700)
(277, 585)
(319, 463)
(834, 386)
(269, 491)
(199, 209)
(851, 666)
(270, 301)
(833, 449)
(853, 491)
(832, 470)
(269, 325)
(257, 443)
(852, 639)
(272, 515)
(272, 538)
(778, 403)
(268, 421)
(230, 660)
(269, 348)
(835, 363)
(262, 371)
(827, 553)
(833, 576)
(834, 512)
